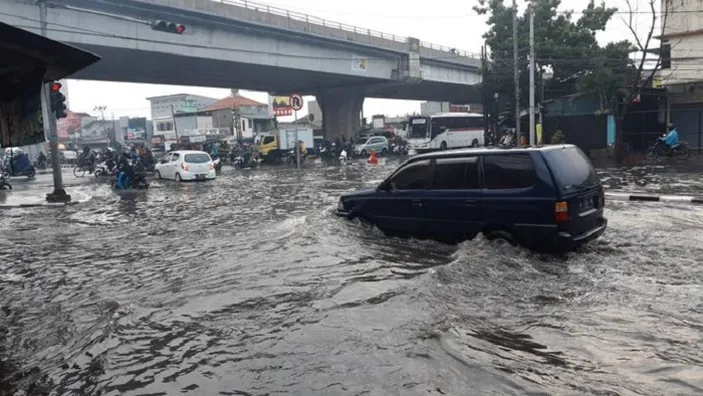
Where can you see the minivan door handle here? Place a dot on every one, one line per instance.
(417, 203)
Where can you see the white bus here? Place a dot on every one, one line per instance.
(445, 131)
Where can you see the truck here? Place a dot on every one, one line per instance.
(273, 146)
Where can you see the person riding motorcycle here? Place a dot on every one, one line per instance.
(214, 152)
(672, 138)
(42, 158)
(126, 171)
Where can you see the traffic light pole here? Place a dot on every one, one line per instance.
(59, 194)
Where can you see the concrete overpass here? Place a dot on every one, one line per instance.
(245, 45)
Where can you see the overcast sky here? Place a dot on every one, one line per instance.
(451, 23)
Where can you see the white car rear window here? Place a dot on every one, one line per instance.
(197, 158)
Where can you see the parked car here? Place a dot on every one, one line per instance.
(545, 198)
(363, 146)
(185, 165)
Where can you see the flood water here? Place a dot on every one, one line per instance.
(250, 285)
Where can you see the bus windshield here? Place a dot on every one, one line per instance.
(418, 128)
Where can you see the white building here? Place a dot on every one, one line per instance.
(683, 32)
(163, 108)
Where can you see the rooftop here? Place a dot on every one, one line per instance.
(232, 102)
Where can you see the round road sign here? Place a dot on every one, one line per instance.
(296, 102)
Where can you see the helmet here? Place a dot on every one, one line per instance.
(672, 126)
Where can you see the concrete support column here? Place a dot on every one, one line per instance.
(341, 112)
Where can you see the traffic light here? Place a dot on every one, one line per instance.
(168, 27)
(58, 101)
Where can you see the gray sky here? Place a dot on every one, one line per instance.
(451, 23)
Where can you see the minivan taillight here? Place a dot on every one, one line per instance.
(601, 196)
(185, 166)
(561, 212)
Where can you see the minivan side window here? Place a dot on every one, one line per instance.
(508, 171)
(268, 140)
(456, 174)
(412, 177)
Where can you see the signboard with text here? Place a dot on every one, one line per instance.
(281, 106)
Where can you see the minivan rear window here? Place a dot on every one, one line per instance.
(196, 158)
(572, 169)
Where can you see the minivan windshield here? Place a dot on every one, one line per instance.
(197, 158)
(571, 168)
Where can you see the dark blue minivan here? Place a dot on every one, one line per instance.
(544, 198)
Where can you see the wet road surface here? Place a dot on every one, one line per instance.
(249, 285)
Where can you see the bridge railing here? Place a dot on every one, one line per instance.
(312, 21)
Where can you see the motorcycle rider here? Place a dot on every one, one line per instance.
(214, 152)
(671, 139)
(42, 158)
(126, 171)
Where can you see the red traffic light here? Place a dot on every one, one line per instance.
(56, 87)
(169, 27)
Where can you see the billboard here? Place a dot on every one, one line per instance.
(66, 127)
(281, 106)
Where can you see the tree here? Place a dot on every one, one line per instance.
(639, 77)
(565, 46)
(607, 73)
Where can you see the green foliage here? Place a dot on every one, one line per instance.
(566, 47)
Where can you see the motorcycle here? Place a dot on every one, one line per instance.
(18, 166)
(41, 163)
(136, 182)
(343, 157)
(247, 161)
(399, 150)
(105, 169)
(291, 159)
(661, 149)
(4, 184)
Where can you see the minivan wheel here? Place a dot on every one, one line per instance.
(443, 146)
(500, 235)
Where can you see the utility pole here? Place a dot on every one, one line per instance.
(484, 94)
(237, 124)
(532, 78)
(516, 74)
(175, 128)
(59, 194)
(101, 109)
(114, 129)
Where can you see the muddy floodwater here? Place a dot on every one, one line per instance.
(250, 285)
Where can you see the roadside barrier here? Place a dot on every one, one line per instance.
(653, 198)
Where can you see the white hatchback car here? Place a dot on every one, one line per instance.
(185, 165)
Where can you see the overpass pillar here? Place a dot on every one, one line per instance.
(341, 112)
